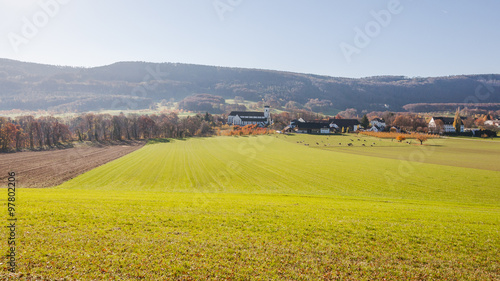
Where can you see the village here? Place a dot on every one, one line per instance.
(482, 126)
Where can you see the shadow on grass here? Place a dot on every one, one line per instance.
(427, 144)
(158, 140)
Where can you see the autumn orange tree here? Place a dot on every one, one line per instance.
(400, 138)
(8, 134)
(422, 138)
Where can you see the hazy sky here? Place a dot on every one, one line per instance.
(345, 38)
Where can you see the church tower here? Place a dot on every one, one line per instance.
(267, 114)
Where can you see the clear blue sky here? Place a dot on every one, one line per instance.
(422, 37)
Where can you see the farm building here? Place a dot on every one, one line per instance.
(351, 124)
(243, 118)
(447, 123)
(312, 128)
(495, 123)
(378, 125)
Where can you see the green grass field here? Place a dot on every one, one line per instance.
(467, 152)
(271, 208)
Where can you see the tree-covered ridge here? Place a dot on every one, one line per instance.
(138, 85)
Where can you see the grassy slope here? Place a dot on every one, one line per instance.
(263, 208)
(271, 165)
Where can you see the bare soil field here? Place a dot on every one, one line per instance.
(39, 169)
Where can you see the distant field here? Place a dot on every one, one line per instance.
(267, 208)
(497, 139)
(245, 102)
(467, 152)
(158, 110)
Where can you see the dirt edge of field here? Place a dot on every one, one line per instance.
(42, 169)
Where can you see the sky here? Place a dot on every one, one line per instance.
(340, 38)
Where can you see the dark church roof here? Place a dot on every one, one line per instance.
(447, 120)
(246, 113)
(311, 125)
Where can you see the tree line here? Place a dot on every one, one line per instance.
(28, 132)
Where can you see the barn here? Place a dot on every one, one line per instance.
(312, 128)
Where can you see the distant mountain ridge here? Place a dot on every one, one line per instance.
(136, 85)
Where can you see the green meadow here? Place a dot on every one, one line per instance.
(271, 208)
(461, 152)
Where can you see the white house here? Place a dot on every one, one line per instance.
(447, 122)
(243, 118)
(492, 123)
(379, 122)
(378, 125)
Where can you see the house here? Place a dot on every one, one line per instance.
(243, 118)
(311, 127)
(294, 123)
(379, 122)
(338, 124)
(324, 126)
(287, 129)
(378, 125)
(447, 124)
(495, 123)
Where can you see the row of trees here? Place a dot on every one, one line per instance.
(28, 132)
(401, 136)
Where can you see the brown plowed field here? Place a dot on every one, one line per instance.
(38, 169)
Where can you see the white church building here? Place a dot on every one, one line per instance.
(243, 118)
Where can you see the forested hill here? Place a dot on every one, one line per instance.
(136, 85)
